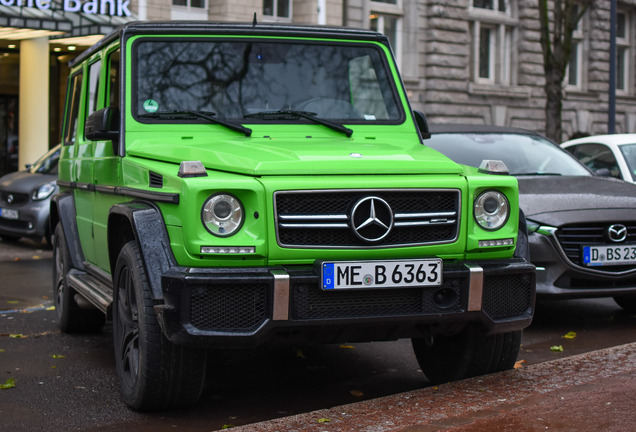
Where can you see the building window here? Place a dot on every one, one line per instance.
(622, 52)
(386, 18)
(189, 10)
(574, 72)
(277, 10)
(493, 32)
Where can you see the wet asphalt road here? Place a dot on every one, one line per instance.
(68, 382)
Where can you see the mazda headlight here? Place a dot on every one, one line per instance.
(43, 192)
(491, 210)
(222, 215)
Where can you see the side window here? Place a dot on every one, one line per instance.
(93, 87)
(113, 79)
(74, 98)
(597, 156)
(94, 70)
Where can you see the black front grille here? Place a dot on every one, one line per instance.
(572, 238)
(229, 308)
(310, 302)
(323, 218)
(13, 198)
(508, 295)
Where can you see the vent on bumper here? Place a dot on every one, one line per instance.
(323, 218)
(237, 308)
(507, 296)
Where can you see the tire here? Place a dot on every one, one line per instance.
(626, 302)
(466, 354)
(70, 317)
(153, 373)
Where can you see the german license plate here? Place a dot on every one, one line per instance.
(609, 255)
(9, 213)
(381, 274)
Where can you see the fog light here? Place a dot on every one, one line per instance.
(238, 250)
(498, 242)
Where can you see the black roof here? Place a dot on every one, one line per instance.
(229, 28)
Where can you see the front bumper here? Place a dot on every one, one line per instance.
(32, 221)
(560, 278)
(244, 307)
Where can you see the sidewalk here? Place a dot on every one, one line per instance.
(591, 392)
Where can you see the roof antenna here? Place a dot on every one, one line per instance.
(254, 20)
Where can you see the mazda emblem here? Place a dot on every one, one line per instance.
(371, 219)
(617, 233)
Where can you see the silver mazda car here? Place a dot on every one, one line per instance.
(25, 197)
(581, 228)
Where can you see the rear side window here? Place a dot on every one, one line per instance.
(73, 109)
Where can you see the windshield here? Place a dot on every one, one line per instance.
(231, 79)
(47, 164)
(522, 154)
(629, 153)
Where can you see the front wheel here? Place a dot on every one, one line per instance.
(153, 373)
(466, 354)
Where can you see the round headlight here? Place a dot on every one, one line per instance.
(491, 210)
(222, 215)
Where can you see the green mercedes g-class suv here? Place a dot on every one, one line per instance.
(232, 185)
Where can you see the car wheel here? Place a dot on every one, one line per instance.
(626, 302)
(153, 373)
(466, 354)
(70, 317)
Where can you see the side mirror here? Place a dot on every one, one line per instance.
(422, 124)
(103, 125)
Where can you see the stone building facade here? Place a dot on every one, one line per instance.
(468, 61)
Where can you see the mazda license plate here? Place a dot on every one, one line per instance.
(609, 255)
(381, 274)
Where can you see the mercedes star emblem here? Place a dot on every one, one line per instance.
(617, 233)
(10, 198)
(371, 219)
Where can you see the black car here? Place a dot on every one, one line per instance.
(25, 198)
(581, 228)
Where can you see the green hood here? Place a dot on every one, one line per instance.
(310, 156)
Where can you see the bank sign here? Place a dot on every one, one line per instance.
(91, 7)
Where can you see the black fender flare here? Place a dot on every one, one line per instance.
(63, 211)
(142, 222)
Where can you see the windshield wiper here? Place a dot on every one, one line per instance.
(293, 114)
(209, 116)
(536, 174)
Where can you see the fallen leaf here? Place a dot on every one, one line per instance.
(323, 420)
(36, 257)
(16, 259)
(2, 350)
(300, 354)
(13, 301)
(16, 336)
(10, 383)
(227, 426)
(557, 348)
(569, 335)
(57, 356)
(519, 364)
(356, 393)
(347, 347)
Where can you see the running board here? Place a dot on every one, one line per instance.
(95, 289)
